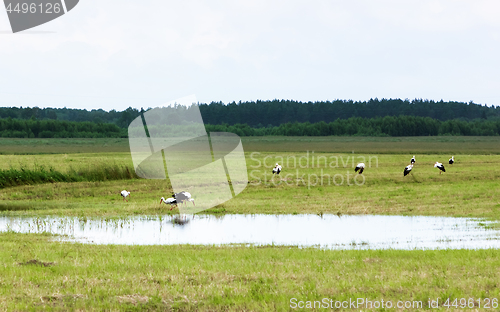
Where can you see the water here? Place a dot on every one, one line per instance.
(327, 231)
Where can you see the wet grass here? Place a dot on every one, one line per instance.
(232, 278)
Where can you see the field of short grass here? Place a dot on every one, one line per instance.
(233, 278)
(334, 144)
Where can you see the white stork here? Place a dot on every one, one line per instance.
(451, 161)
(277, 169)
(182, 197)
(412, 161)
(360, 167)
(408, 169)
(440, 166)
(169, 201)
(125, 194)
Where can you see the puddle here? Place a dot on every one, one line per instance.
(327, 231)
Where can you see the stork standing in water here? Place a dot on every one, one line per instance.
(408, 169)
(412, 161)
(169, 201)
(360, 167)
(183, 197)
(125, 194)
(440, 166)
(451, 161)
(277, 169)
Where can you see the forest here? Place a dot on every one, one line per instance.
(386, 117)
(31, 128)
(381, 126)
(276, 112)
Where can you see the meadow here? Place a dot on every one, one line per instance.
(384, 145)
(317, 177)
(234, 278)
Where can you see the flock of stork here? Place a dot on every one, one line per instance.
(361, 166)
(184, 197)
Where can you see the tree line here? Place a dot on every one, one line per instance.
(259, 114)
(121, 119)
(31, 128)
(380, 126)
(274, 113)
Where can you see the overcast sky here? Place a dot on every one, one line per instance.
(114, 54)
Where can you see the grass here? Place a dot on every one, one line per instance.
(40, 175)
(10, 146)
(194, 278)
(66, 162)
(340, 144)
(469, 188)
(37, 273)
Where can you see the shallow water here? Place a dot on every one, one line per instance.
(327, 231)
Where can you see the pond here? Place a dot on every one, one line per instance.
(303, 230)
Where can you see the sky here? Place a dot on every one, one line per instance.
(118, 53)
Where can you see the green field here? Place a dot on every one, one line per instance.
(314, 180)
(192, 278)
(189, 278)
(338, 144)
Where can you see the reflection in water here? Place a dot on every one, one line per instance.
(180, 220)
(326, 231)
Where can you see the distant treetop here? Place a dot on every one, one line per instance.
(276, 112)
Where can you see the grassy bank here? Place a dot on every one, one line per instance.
(193, 278)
